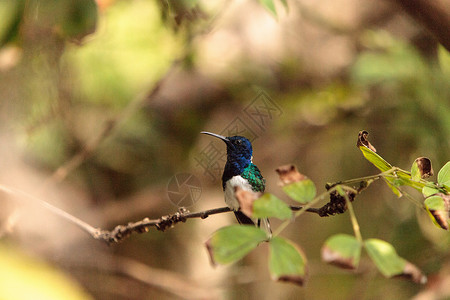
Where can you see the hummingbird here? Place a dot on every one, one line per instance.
(240, 172)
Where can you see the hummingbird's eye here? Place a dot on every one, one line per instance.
(238, 142)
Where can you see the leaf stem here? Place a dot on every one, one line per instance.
(411, 198)
(356, 180)
(355, 224)
(302, 210)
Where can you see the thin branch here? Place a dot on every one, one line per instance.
(434, 15)
(336, 205)
(21, 195)
(121, 232)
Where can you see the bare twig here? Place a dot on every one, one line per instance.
(120, 232)
(434, 15)
(21, 195)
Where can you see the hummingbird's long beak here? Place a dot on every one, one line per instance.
(223, 138)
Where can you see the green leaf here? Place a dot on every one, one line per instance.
(435, 203)
(385, 257)
(271, 206)
(399, 178)
(231, 243)
(286, 261)
(382, 165)
(389, 263)
(375, 159)
(428, 191)
(444, 175)
(438, 209)
(342, 250)
(415, 173)
(394, 188)
(302, 191)
(269, 5)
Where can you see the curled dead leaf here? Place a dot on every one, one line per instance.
(296, 279)
(441, 218)
(246, 199)
(210, 252)
(289, 174)
(425, 168)
(363, 141)
(411, 272)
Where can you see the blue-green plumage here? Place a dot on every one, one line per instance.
(254, 178)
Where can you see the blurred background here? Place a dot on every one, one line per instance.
(101, 108)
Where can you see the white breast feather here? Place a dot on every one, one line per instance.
(235, 181)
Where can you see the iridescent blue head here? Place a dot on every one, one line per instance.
(239, 152)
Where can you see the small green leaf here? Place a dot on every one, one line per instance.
(286, 261)
(231, 243)
(389, 263)
(385, 257)
(302, 191)
(415, 173)
(435, 203)
(271, 206)
(438, 209)
(444, 175)
(269, 5)
(428, 191)
(375, 159)
(369, 152)
(399, 177)
(342, 250)
(393, 186)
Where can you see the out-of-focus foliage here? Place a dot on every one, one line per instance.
(11, 13)
(102, 68)
(23, 277)
(114, 67)
(69, 69)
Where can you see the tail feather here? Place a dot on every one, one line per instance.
(265, 225)
(243, 219)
